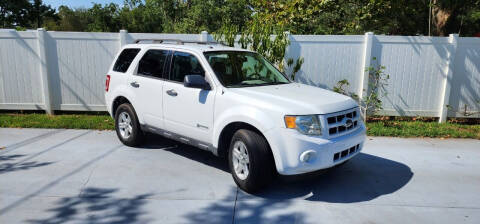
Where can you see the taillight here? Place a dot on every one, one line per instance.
(107, 83)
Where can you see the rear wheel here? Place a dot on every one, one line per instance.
(250, 160)
(127, 125)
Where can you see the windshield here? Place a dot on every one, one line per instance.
(241, 69)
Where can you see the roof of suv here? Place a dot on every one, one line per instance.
(200, 48)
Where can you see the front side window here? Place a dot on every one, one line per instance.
(241, 69)
(185, 64)
(152, 63)
(125, 59)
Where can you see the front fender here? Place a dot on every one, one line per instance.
(253, 116)
(249, 115)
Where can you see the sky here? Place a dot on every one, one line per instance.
(79, 3)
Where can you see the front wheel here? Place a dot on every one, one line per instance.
(127, 125)
(250, 160)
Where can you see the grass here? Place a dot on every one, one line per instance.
(382, 126)
(70, 121)
(430, 129)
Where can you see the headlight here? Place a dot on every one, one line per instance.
(306, 124)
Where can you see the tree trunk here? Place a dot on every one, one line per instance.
(440, 18)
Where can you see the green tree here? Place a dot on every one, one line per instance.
(136, 17)
(103, 18)
(345, 16)
(391, 17)
(38, 12)
(209, 15)
(450, 16)
(69, 20)
(13, 13)
(407, 17)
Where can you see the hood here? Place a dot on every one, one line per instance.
(296, 98)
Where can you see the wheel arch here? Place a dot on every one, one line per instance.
(119, 100)
(229, 130)
(227, 133)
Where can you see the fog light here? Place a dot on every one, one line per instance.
(308, 156)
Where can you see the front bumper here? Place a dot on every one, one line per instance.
(289, 148)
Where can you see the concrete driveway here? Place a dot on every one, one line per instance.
(86, 176)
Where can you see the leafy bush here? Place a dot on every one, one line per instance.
(371, 102)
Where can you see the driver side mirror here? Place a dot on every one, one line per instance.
(196, 81)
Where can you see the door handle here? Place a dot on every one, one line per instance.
(172, 92)
(135, 84)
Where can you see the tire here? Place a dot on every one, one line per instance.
(129, 133)
(260, 169)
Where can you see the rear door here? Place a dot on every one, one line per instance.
(147, 83)
(187, 111)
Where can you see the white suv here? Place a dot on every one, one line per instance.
(233, 103)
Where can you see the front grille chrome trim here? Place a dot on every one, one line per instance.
(341, 123)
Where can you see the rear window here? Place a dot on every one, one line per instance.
(125, 59)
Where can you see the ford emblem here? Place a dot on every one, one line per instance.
(348, 123)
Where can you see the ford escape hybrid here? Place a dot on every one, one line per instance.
(233, 103)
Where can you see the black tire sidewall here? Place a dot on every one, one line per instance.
(260, 167)
(136, 136)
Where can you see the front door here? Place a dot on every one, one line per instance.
(187, 111)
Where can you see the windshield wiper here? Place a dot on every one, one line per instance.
(257, 84)
(244, 85)
(276, 83)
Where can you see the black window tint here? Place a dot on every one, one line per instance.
(185, 64)
(152, 63)
(125, 59)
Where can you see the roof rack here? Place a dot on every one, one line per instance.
(177, 41)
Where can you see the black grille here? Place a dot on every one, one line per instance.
(342, 127)
(345, 153)
(339, 118)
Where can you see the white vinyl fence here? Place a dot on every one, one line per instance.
(49, 71)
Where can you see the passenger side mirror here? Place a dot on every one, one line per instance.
(196, 81)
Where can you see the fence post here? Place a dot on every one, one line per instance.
(42, 56)
(123, 38)
(367, 57)
(447, 79)
(204, 36)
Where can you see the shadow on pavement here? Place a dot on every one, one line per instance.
(28, 141)
(363, 178)
(157, 142)
(97, 205)
(22, 164)
(10, 167)
(52, 183)
(16, 166)
(10, 157)
(257, 211)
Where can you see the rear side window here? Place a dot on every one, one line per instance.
(185, 64)
(152, 63)
(125, 59)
